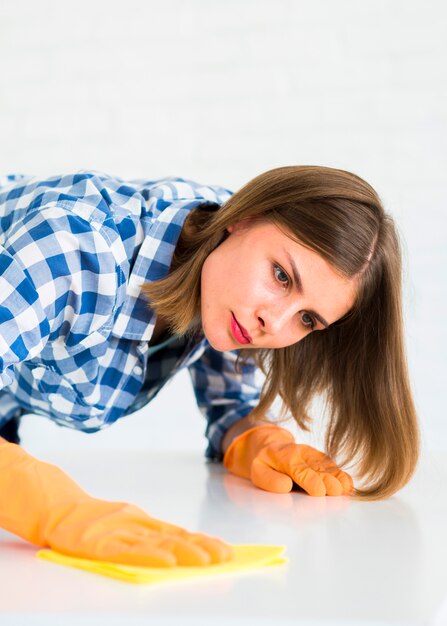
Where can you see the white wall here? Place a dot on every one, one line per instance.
(221, 91)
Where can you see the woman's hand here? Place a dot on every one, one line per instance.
(43, 505)
(270, 458)
(124, 533)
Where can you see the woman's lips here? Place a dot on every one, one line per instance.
(239, 332)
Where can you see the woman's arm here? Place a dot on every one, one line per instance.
(225, 396)
(44, 506)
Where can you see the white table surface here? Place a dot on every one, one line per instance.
(350, 562)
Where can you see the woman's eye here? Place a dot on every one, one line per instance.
(280, 275)
(308, 321)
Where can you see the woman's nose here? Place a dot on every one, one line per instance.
(275, 319)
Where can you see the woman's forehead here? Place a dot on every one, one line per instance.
(321, 283)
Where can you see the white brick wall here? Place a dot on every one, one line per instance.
(220, 91)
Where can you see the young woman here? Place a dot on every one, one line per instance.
(108, 288)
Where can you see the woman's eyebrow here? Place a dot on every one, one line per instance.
(300, 289)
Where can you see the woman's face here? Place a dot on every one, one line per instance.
(262, 289)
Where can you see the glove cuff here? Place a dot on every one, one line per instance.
(244, 448)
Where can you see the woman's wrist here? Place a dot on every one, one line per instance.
(237, 429)
(240, 427)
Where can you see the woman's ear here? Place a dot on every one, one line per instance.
(243, 224)
(237, 226)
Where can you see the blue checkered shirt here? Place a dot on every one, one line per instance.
(74, 326)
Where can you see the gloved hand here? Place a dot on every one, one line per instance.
(270, 458)
(41, 504)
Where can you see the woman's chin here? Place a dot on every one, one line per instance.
(220, 341)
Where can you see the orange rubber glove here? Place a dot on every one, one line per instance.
(43, 505)
(270, 458)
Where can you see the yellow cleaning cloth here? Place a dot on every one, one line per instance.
(245, 557)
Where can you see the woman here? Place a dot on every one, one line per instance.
(110, 287)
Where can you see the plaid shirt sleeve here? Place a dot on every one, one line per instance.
(57, 279)
(223, 395)
(24, 327)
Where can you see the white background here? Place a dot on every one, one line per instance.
(219, 92)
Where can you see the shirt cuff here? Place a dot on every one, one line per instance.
(216, 430)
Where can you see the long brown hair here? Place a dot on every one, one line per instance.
(358, 364)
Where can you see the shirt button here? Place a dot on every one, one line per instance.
(138, 370)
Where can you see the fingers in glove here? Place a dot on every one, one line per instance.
(269, 479)
(216, 549)
(187, 549)
(323, 464)
(157, 550)
(309, 480)
(139, 554)
(337, 482)
(345, 480)
(118, 546)
(333, 486)
(187, 552)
